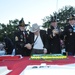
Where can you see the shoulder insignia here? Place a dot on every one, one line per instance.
(16, 38)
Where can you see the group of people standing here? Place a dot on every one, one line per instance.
(55, 36)
(39, 41)
(67, 36)
(33, 42)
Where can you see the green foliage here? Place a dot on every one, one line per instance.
(8, 29)
(62, 15)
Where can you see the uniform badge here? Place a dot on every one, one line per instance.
(21, 40)
(70, 33)
(70, 30)
(16, 38)
(21, 36)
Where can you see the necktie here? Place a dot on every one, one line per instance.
(24, 36)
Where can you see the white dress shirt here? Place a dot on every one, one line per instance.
(38, 43)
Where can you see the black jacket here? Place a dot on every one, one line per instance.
(53, 41)
(8, 45)
(43, 37)
(20, 40)
(69, 38)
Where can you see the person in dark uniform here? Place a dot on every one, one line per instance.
(54, 37)
(21, 38)
(8, 45)
(69, 36)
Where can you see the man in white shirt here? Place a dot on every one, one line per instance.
(37, 40)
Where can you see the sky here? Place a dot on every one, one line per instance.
(31, 10)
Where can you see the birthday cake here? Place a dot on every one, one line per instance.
(47, 56)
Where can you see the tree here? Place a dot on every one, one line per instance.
(62, 15)
(8, 29)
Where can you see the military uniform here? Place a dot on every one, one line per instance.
(69, 37)
(54, 42)
(21, 38)
(54, 39)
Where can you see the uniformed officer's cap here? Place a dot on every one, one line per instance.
(71, 17)
(54, 19)
(22, 23)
